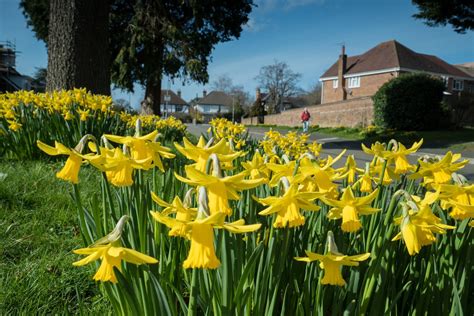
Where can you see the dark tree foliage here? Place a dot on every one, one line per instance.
(458, 13)
(36, 13)
(151, 38)
(410, 102)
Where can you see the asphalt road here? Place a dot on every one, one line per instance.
(334, 145)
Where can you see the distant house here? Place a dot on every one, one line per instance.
(214, 104)
(287, 103)
(362, 75)
(172, 102)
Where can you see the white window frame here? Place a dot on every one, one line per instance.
(353, 82)
(458, 85)
(335, 83)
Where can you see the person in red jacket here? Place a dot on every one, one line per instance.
(305, 116)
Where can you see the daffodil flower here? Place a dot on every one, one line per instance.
(256, 168)
(398, 155)
(455, 195)
(201, 152)
(144, 147)
(349, 207)
(418, 223)
(332, 262)
(117, 166)
(109, 251)
(439, 172)
(70, 171)
(220, 190)
(350, 169)
(288, 205)
(183, 213)
(202, 253)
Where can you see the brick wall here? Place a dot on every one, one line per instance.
(369, 85)
(348, 113)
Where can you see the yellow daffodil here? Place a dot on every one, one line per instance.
(221, 189)
(111, 256)
(117, 166)
(288, 205)
(350, 207)
(377, 150)
(256, 168)
(439, 171)
(332, 262)
(183, 214)
(398, 155)
(83, 114)
(418, 223)
(108, 250)
(70, 171)
(200, 153)
(202, 253)
(14, 125)
(350, 169)
(144, 147)
(454, 195)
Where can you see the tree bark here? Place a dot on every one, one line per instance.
(154, 59)
(78, 52)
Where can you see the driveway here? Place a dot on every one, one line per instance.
(333, 146)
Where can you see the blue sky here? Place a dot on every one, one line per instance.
(306, 34)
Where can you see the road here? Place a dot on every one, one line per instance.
(333, 146)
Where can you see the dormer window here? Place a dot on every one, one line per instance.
(354, 82)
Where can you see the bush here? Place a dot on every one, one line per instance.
(409, 102)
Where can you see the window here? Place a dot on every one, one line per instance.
(179, 108)
(335, 82)
(354, 82)
(458, 85)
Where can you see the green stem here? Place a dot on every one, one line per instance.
(193, 294)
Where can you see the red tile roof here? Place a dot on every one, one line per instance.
(392, 54)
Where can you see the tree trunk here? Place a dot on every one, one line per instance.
(154, 56)
(152, 102)
(78, 53)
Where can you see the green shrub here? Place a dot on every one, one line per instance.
(409, 102)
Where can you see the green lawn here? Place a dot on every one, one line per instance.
(38, 230)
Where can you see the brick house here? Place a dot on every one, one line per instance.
(352, 77)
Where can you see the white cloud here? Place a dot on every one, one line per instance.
(267, 5)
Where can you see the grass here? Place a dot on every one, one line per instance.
(38, 230)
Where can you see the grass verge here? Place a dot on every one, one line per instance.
(38, 230)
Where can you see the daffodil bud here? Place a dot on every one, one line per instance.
(203, 207)
(459, 178)
(83, 142)
(209, 143)
(105, 142)
(138, 128)
(216, 166)
(394, 145)
(188, 198)
(286, 184)
(331, 244)
(115, 234)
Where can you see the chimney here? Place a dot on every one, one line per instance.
(179, 93)
(204, 93)
(257, 94)
(341, 70)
